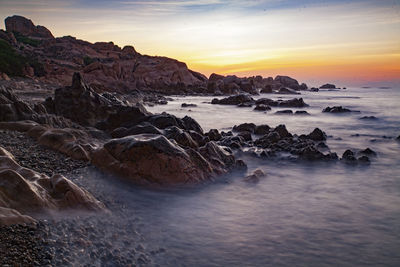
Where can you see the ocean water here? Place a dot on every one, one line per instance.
(300, 214)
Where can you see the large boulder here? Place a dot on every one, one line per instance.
(233, 100)
(153, 159)
(24, 191)
(25, 27)
(287, 81)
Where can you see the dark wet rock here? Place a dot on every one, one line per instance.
(245, 135)
(262, 107)
(368, 118)
(233, 100)
(336, 109)
(368, 152)
(312, 153)
(286, 111)
(165, 120)
(328, 86)
(349, 157)
(190, 124)
(188, 105)
(267, 89)
(142, 128)
(244, 127)
(282, 131)
(214, 135)
(364, 160)
(295, 102)
(200, 139)
(255, 176)
(317, 135)
(234, 142)
(262, 129)
(314, 89)
(289, 82)
(301, 112)
(184, 139)
(287, 91)
(398, 138)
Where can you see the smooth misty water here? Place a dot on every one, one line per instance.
(301, 214)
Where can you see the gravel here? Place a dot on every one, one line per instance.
(72, 238)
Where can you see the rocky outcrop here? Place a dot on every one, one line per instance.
(233, 100)
(153, 159)
(336, 109)
(23, 191)
(293, 103)
(328, 86)
(25, 27)
(286, 81)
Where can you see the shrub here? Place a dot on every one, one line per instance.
(26, 40)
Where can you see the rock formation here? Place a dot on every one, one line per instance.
(24, 26)
(23, 191)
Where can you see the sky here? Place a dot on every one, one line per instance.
(350, 43)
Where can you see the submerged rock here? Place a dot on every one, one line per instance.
(255, 176)
(262, 107)
(233, 100)
(328, 86)
(336, 109)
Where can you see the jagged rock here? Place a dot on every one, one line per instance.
(349, 157)
(214, 135)
(143, 128)
(190, 124)
(282, 131)
(244, 127)
(262, 107)
(336, 109)
(295, 102)
(233, 100)
(262, 129)
(25, 27)
(245, 135)
(328, 86)
(184, 139)
(153, 159)
(290, 82)
(368, 152)
(317, 135)
(28, 192)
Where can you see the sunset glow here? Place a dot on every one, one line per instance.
(349, 42)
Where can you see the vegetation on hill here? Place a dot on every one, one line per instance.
(13, 64)
(26, 40)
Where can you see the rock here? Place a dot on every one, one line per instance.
(336, 109)
(165, 120)
(286, 111)
(143, 128)
(245, 135)
(328, 86)
(301, 112)
(11, 216)
(190, 124)
(287, 82)
(287, 91)
(184, 139)
(364, 160)
(314, 89)
(349, 157)
(267, 89)
(255, 176)
(368, 152)
(244, 127)
(233, 100)
(29, 192)
(368, 118)
(282, 131)
(25, 27)
(185, 105)
(262, 107)
(262, 129)
(214, 135)
(295, 102)
(153, 159)
(317, 135)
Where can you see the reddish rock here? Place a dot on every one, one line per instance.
(25, 27)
